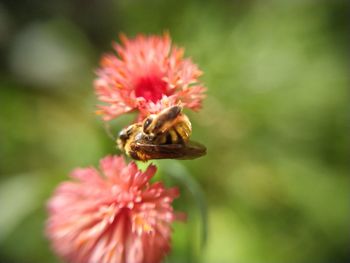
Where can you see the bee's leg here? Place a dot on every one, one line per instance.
(165, 119)
(173, 112)
(137, 154)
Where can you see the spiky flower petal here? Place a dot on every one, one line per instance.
(114, 215)
(147, 75)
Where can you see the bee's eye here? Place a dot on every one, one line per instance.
(147, 123)
(123, 135)
(129, 130)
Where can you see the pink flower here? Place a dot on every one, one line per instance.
(116, 217)
(147, 75)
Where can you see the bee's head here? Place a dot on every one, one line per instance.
(125, 134)
(157, 123)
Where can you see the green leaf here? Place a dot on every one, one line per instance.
(179, 172)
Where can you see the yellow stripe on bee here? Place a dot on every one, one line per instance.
(183, 130)
(174, 137)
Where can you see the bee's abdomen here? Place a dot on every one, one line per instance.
(178, 134)
(174, 137)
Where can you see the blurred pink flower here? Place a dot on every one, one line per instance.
(148, 75)
(116, 217)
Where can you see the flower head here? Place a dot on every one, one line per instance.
(116, 217)
(147, 75)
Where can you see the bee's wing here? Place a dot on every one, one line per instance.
(190, 150)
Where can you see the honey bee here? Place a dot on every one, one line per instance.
(161, 136)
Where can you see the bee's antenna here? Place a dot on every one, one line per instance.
(109, 131)
(179, 103)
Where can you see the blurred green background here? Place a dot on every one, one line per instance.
(275, 121)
